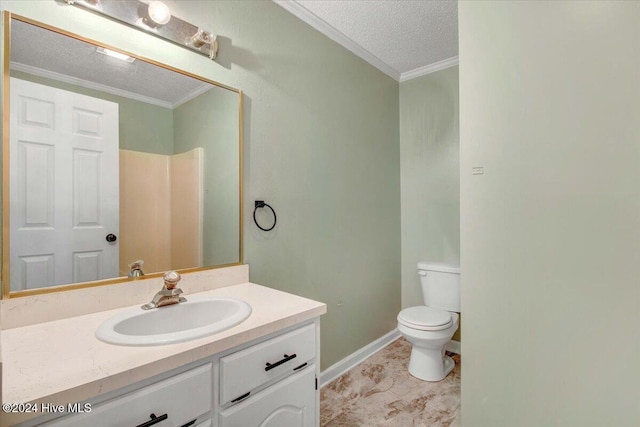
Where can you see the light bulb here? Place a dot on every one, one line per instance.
(200, 38)
(159, 12)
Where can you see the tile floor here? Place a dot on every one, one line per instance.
(381, 392)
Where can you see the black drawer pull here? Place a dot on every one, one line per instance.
(190, 423)
(279, 362)
(154, 420)
(300, 367)
(238, 399)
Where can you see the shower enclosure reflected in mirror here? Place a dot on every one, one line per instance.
(111, 159)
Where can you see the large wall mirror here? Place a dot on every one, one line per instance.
(110, 159)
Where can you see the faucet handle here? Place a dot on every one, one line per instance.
(171, 279)
(136, 264)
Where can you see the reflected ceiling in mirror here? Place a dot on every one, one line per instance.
(112, 161)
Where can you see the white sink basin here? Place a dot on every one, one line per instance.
(195, 318)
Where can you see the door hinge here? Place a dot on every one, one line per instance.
(316, 383)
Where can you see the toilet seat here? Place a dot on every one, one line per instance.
(425, 318)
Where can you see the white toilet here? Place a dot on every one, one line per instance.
(429, 327)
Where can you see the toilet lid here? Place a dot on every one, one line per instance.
(425, 318)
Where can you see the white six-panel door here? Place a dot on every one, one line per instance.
(63, 187)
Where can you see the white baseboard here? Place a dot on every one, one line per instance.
(339, 368)
(358, 356)
(453, 347)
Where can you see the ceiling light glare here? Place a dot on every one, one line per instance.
(115, 54)
(159, 12)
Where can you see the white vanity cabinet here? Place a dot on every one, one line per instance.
(271, 384)
(181, 400)
(268, 382)
(244, 372)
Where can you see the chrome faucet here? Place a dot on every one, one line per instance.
(169, 294)
(136, 269)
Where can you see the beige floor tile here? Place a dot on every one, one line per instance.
(381, 392)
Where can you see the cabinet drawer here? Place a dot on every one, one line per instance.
(244, 371)
(289, 403)
(183, 397)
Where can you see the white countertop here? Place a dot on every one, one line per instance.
(62, 362)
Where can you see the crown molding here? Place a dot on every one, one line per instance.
(204, 87)
(109, 89)
(87, 84)
(321, 25)
(431, 68)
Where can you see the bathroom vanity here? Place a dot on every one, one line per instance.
(246, 386)
(260, 372)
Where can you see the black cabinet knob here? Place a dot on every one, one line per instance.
(111, 238)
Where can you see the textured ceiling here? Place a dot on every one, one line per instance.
(46, 50)
(406, 35)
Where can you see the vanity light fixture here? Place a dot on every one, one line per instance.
(115, 54)
(155, 18)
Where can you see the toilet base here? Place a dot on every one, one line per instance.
(430, 365)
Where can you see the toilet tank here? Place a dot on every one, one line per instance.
(440, 285)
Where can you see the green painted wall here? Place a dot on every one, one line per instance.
(550, 248)
(143, 127)
(321, 134)
(430, 176)
(211, 121)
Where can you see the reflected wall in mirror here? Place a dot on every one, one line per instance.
(111, 160)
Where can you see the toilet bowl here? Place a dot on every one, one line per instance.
(428, 361)
(430, 327)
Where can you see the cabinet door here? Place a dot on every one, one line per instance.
(289, 403)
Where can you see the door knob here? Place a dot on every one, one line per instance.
(111, 238)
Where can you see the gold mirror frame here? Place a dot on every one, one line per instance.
(6, 289)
